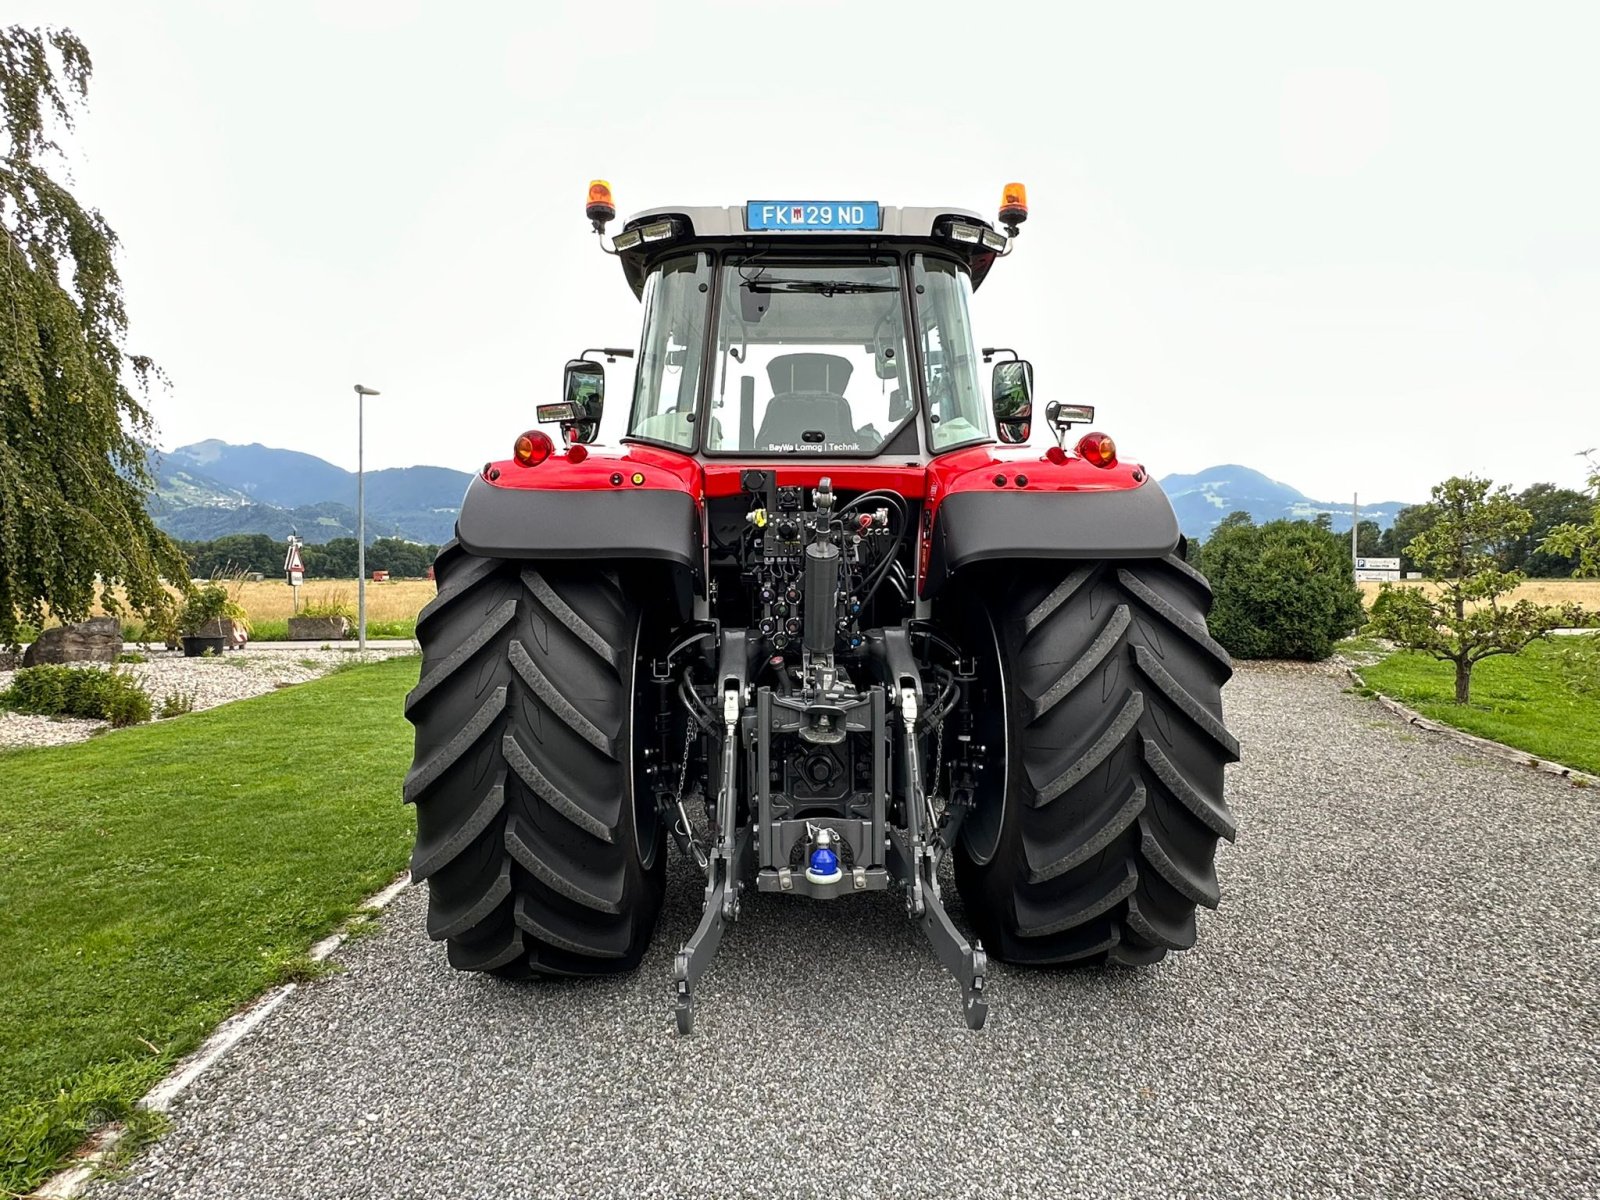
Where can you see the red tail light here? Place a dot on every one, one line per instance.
(1098, 450)
(533, 448)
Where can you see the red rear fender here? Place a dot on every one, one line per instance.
(600, 470)
(992, 505)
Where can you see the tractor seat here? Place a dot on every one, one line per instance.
(791, 416)
(808, 394)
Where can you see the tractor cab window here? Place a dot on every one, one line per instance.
(957, 412)
(811, 357)
(666, 384)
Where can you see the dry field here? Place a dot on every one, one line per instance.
(1541, 591)
(403, 599)
(398, 600)
(272, 599)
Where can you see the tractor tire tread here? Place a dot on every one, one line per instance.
(1114, 764)
(427, 856)
(564, 613)
(527, 838)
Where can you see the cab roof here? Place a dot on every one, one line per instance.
(729, 222)
(700, 225)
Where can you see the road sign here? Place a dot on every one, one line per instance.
(1377, 564)
(1376, 576)
(293, 568)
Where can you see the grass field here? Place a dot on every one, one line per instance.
(1545, 700)
(156, 878)
(1541, 591)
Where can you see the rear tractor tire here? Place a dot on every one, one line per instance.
(535, 833)
(1093, 839)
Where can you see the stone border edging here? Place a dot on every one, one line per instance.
(1497, 749)
(70, 1182)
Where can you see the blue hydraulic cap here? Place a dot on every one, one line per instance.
(823, 866)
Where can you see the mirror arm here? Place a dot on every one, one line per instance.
(578, 431)
(612, 353)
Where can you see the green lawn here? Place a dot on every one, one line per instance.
(278, 631)
(153, 879)
(1545, 700)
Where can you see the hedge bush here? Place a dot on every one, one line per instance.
(1283, 590)
(87, 692)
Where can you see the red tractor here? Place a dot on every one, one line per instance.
(823, 620)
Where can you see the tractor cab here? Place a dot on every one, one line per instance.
(834, 330)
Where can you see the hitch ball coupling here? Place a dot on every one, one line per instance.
(823, 864)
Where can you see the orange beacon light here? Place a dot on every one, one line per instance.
(601, 208)
(1013, 206)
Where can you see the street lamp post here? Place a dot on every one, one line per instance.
(361, 517)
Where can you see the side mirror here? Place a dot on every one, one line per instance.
(1013, 400)
(583, 400)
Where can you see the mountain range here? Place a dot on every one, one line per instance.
(214, 488)
(1203, 499)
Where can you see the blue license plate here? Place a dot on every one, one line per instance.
(811, 216)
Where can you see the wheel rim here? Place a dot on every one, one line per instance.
(980, 833)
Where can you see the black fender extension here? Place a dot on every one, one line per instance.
(618, 523)
(974, 527)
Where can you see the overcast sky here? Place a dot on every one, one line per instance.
(1356, 249)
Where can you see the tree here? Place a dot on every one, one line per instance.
(1369, 540)
(1386, 546)
(73, 468)
(1408, 523)
(1282, 590)
(1552, 507)
(331, 560)
(400, 557)
(234, 552)
(1578, 539)
(1237, 519)
(1463, 622)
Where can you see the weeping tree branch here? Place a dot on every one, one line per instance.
(74, 433)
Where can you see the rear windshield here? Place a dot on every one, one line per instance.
(810, 359)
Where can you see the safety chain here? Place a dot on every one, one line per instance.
(683, 829)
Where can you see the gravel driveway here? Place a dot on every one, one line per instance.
(1399, 996)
